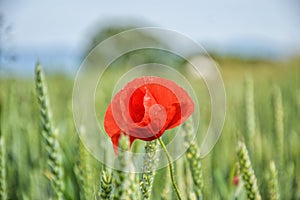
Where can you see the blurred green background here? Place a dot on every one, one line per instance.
(26, 156)
(254, 44)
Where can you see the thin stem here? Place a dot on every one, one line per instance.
(171, 168)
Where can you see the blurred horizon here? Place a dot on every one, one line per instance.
(57, 33)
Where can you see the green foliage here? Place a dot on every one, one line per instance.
(136, 56)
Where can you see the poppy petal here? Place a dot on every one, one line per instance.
(145, 108)
(109, 123)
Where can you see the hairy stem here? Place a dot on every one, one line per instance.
(171, 168)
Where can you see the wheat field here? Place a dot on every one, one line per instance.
(256, 157)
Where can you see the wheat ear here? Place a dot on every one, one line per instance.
(193, 157)
(120, 179)
(149, 165)
(278, 123)
(273, 183)
(49, 134)
(250, 182)
(249, 112)
(106, 185)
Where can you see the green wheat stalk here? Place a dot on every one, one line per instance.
(278, 123)
(235, 173)
(249, 111)
(80, 178)
(166, 191)
(133, 192)
(3, 192)
(193, 157)
(250, 182)
(120, 179)
(188, 181)
(106, 185)
(273, 183)
(49, 134)
(149, 165)
(84, 173)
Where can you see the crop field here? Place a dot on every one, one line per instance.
(256, 157)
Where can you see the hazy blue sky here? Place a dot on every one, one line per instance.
(222, 25)
(67, 22)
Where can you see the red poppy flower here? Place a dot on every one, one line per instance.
(145, 108)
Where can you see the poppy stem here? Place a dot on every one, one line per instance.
(171, 168)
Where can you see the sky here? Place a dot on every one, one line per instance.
(43, 24)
